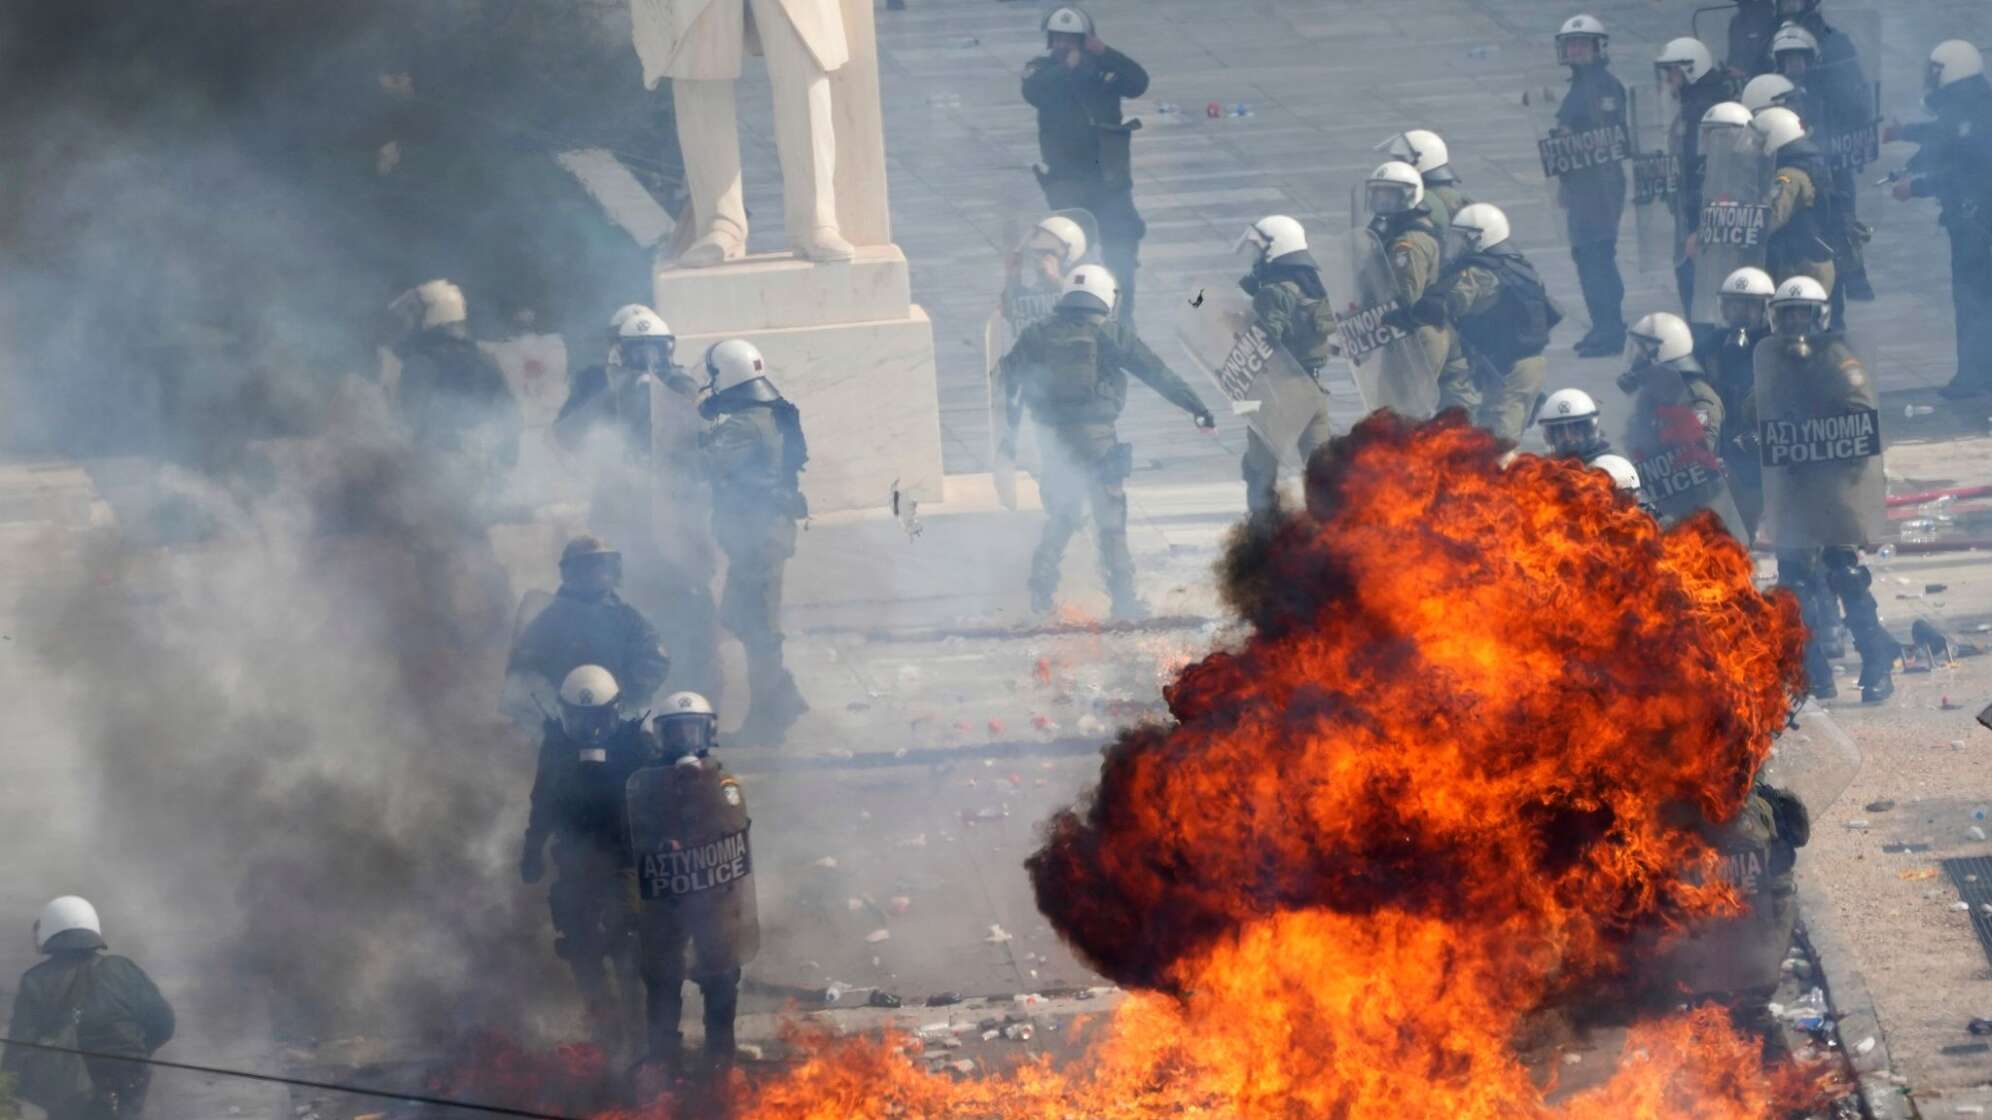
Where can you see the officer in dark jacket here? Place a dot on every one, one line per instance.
(1954, 166)
(1593, 199)
(1492, 294)
(1569, 424)
(648, 490)
(1750, 31)
(586, 758)
(754, 453)
(1694, 94)
(1805, 212)
(587, 623)
(1076, 88)
(452, 397)
(1834, 98)
(1290, 304)
(1070, 371)
(1729, 356)
(84, 998)
(694, 865)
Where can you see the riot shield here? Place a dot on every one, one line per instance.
(1735, 217)
(690, 847)
(1392, 368)
(1844, 93)
(1816, 761)
(528, 699)
(1024, 300)
(1264, 383)
(1664, 439)
(1656, 180)
(1819, 440)
(1565, 156)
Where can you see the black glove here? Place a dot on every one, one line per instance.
(532, 864)
(1400, 320)
(1430, 310)
(1205, 420)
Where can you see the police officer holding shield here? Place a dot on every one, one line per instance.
(1674, 430)
(1077, 86)
(1070, 371)
(1729, 356)
(694, 868)
(1593, 199)
(1819, 435)
(1425, 151)
(1687, 70)
(1805, 211)
(1954, 166)
(1291, 306)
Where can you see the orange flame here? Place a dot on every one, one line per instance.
(1443, 785)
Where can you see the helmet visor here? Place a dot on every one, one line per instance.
(587, 725)
(1387, 197)
(1743, 312)
(649, 355)
(1577, 49)
(683, 735)
(1797, 319)
(1568, 437)
(1641, 350)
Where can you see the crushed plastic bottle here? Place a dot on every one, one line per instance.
(1917, 411)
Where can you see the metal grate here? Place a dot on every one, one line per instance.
(1972, 876)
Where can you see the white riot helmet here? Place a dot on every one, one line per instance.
(1778, 126)
(1794, 42)
(1688, 55)
(1480, 227)
(733, 363)
(434, 303)
(1766, 90)
(588, 707)
(1953, 61)
(1583, 27)
(1393, 188)
(1746, 298)
(1421, 149)
(1090, 287)
(68, 923)
(1800, 312)
(1273, 237)
(686, 726)
(1625, 476)
(1068, 20)
(1060, 235)
(1726, 114)
(622, 315)
(1569, 421)
(1658, 339)
(644, 342)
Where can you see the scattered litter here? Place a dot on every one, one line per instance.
(1572, 1059)
(882, 998)
(973, 817)
(1916, 874)
(900, 904)
(1865, 1045)
(1018, 1032)
(1879, 806)
(1858, 824)
(1027, 999)
(1964, 1048)
(1961, 906)
(1898, 849)
(943, 999)
(1935, 588)
(1979, 1026)
(997, 935)
(917, 840)
(1968, 1109)
(827, 863)
(964, 1066)
(854, 904)
(878, 935)
(1975, 832)
(748, 1051)
(1213, 110)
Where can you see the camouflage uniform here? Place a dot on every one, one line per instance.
(1289, 303)
(1504, 317)
(1416, 254)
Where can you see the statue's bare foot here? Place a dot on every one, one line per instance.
(824, 243)
(714, 248)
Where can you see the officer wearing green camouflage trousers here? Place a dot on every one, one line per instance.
(1291, 304)
(1070, 370)
(1503, 315)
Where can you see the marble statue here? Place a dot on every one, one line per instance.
(700, 45)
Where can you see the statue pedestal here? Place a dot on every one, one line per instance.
(846, 343)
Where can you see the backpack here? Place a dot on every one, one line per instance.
(53, 1081)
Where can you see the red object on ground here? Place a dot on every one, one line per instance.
(1920, 497)
(1213, 110)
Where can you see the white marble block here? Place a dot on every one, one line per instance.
(769, 291)
(869, 404)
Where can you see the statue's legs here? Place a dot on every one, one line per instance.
(709, 135)
(805, 138)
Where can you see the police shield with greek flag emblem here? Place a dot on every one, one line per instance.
(1735, 227)
(1263, 381)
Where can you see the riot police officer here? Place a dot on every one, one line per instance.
(586, 757)
(114, 1006)
(1674, 432)
(1401, 218)
(1291, 305)
(1820, 441)
(1766, 90)
(452, 397)
(1954, 166)
(586, 623)
(689, 837)
(1687, 69)
(1729, 355)
(1492, 295)
(754, 455)
(1426, 152)
(640, 343)
(1834, 99)
(1569, 423)
(1070, 371)
(1077, 86)
(1805, 213)
(1593, 199)
(1737, 962)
